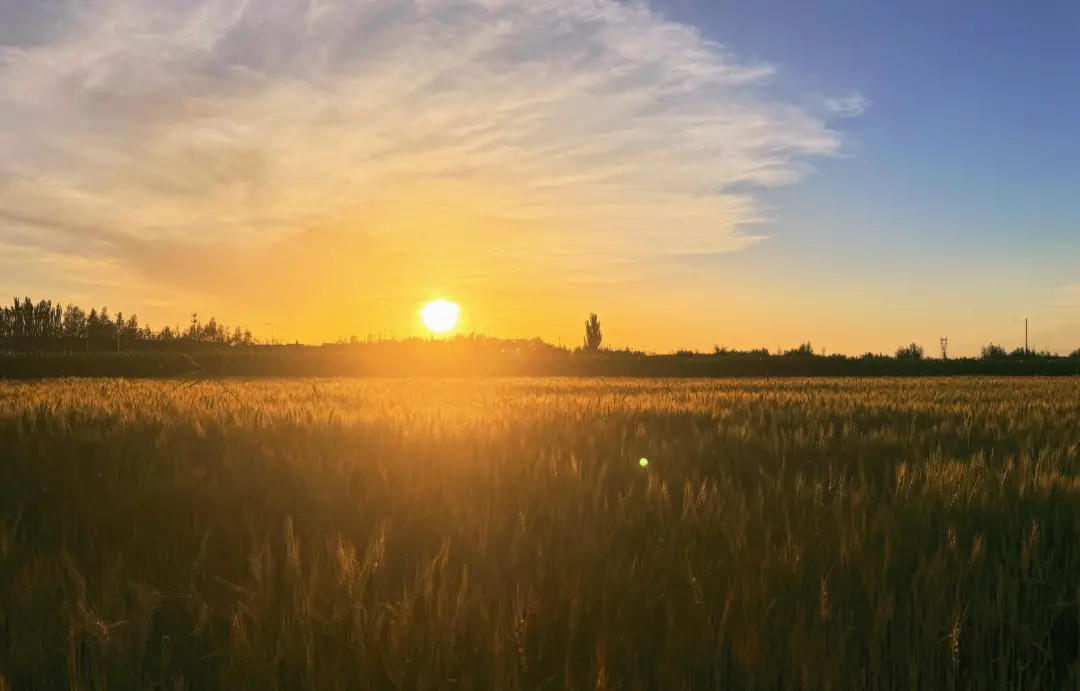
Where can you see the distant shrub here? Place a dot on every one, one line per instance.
(755, 352)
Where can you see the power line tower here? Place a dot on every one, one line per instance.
(944, 347)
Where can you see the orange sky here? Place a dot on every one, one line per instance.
(329, 167)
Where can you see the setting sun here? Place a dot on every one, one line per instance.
(440, 316)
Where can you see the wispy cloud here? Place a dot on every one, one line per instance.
(161, 132)
(849, 106)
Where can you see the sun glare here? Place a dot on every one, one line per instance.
(440, 316)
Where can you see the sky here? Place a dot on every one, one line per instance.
(698, 172)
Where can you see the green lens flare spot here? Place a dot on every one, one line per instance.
(644, 463)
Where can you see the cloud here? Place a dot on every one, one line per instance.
(849, 106)
(168, 135)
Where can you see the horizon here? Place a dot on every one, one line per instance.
(698, 175)
(51, 320)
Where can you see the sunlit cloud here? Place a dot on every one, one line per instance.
(208, 144)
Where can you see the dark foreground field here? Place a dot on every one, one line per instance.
(500, 534)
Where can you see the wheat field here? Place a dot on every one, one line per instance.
(503, 534)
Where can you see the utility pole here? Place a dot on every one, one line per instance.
(944, 347)
(271, 332)
(1026, 351)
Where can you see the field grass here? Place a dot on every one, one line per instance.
(501, 534)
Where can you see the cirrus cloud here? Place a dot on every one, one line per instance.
(152, 131)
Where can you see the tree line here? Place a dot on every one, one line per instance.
(26, 326)
(46, 320)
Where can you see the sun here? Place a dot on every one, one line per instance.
(440, 316)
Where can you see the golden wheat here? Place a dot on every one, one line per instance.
(501, 534)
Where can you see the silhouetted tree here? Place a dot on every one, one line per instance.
(93, 325)
(74, 322)
(108, 328)
(593, 335)
(805, 350)
(910, 352)
(992, 352)
(28, 318)
(1075, 354)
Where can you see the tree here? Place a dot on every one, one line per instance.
(210, 331)
(93, 325)
(74, 322)
(107, 328)
(992, 352)
(29, 323)
(910, 352)
(1075, 354)
(593, 335)
(806, 349)
(18, 319)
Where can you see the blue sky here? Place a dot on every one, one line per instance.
(859, 174)
(963, 170)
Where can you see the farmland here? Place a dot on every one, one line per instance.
(503, 534)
